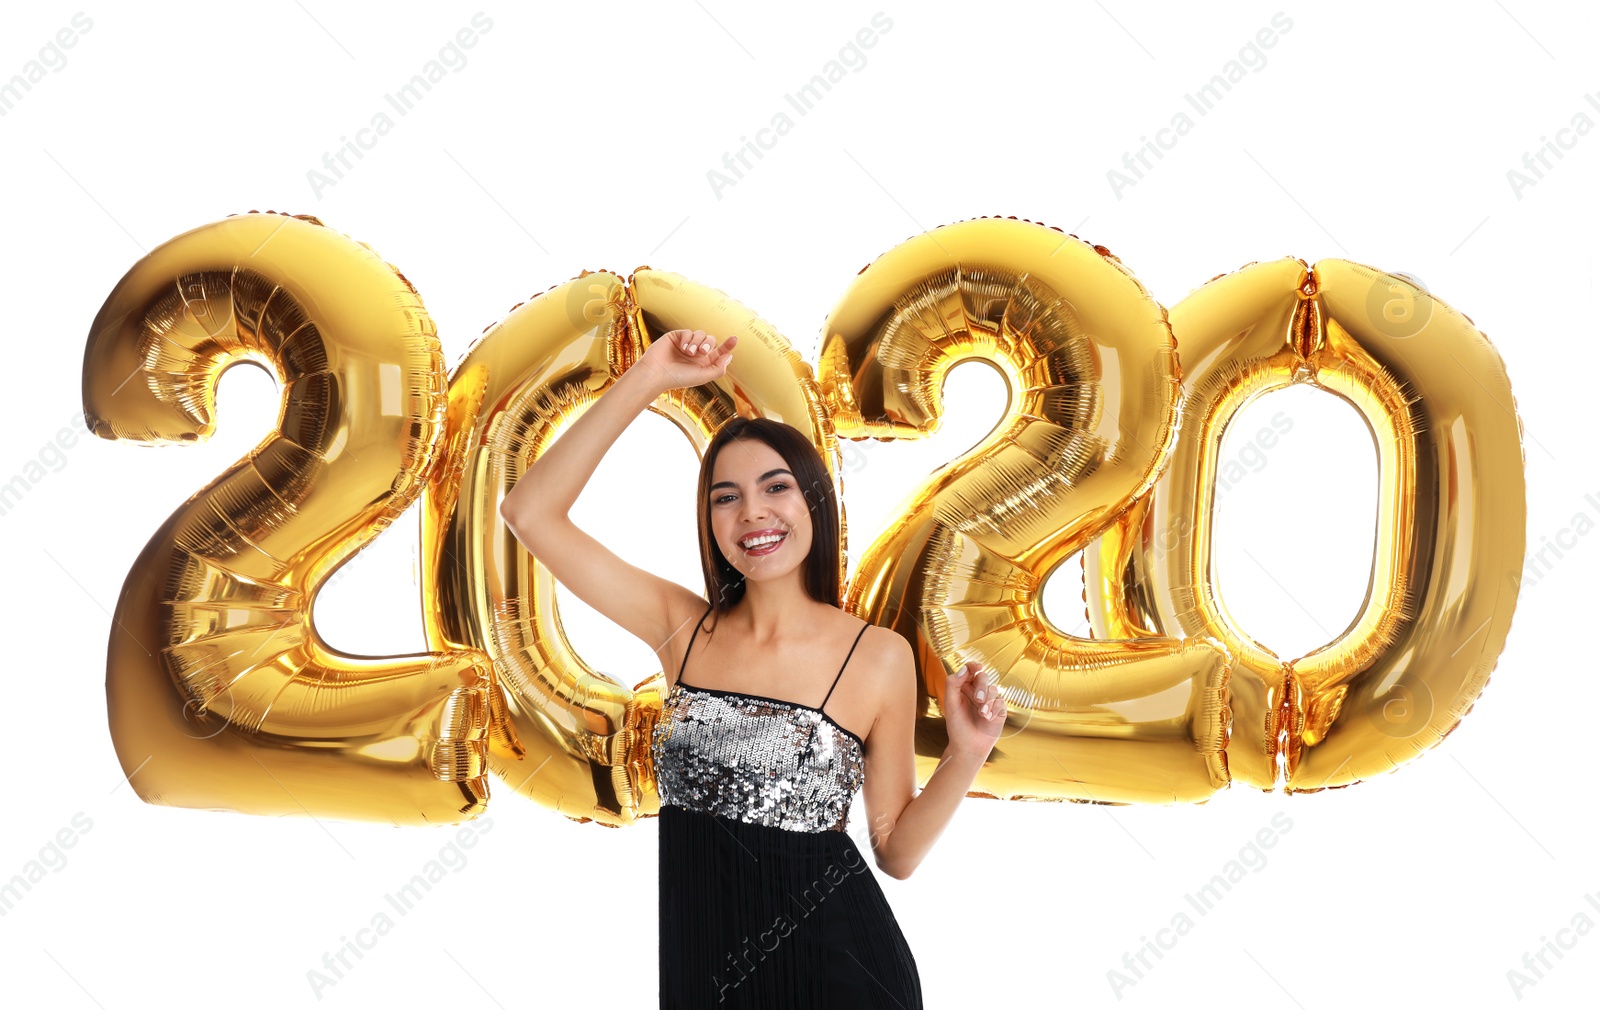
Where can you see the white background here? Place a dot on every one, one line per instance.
(580, 136)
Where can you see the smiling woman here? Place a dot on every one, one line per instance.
(765, 492)
(756, 790)
(765, 899)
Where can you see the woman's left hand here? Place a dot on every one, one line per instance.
(974, 711)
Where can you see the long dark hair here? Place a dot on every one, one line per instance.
(725, 584)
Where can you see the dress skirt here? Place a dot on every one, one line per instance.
(759, 916)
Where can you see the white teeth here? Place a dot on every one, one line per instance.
(771, 538)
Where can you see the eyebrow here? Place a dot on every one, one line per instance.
(759, 480)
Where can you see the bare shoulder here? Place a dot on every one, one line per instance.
(883, 644)
(684, 608)
(891, 668)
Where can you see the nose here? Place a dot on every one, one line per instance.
(754, 512)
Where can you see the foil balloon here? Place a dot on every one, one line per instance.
(1450, 525)
(220, 694)
(563, 734)
(1090, 362)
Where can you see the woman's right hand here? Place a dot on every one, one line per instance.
(680, 358)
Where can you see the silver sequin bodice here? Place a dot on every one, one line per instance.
(755, 759)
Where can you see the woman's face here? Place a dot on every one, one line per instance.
(753, 491)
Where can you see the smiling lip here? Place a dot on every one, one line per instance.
(765, 548)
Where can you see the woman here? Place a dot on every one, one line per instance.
(764, 899)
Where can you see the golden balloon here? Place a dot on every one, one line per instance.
(219, 691)
(1093, 374)
(1451, 517)
(221, 695)
(564, 735)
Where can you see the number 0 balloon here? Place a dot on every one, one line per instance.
(221, 695)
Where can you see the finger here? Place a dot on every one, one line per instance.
(997, 706)
(989, 695)
(967, 688)
(980, 686)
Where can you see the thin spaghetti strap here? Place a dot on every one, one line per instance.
(692, 635)
(846, 663)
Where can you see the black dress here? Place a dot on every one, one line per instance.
(765, 900)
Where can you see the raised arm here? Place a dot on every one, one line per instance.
(536, 508)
